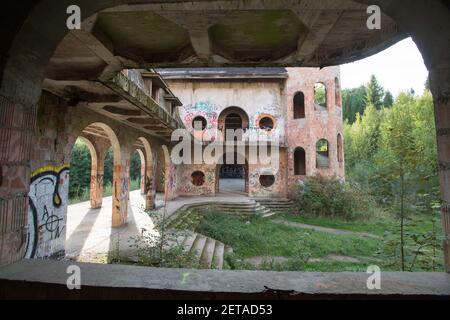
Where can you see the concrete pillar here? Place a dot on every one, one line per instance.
(16, 128)
(149, 185)
(120, 196)
(440, 87)
(97, 173)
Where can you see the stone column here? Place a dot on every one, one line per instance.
(121, 179)
(17, 124)
(97, 173)
(440, 86)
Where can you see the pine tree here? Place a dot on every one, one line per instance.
(375, 93)
(388, 100)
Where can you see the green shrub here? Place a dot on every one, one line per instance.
(332, 197)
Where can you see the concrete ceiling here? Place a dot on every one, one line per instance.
(306, 33)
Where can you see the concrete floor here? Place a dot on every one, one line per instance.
(89, 235)
(232, 185)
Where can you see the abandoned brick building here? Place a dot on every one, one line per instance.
(58, 84)
(274, 105)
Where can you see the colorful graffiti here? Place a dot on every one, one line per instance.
(47, 211)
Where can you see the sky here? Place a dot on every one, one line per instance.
(397, 69)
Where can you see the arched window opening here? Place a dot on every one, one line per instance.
(322, 154)
(299, 162)
(299, 105)
(320, 96)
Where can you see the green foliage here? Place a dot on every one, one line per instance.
(353, 102)
(392, 152)
(80, 171)
(375, 93)
(320, 94)
(388, 100)
(331, 197)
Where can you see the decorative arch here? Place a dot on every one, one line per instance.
(96, 184)
(120, 186)
(233, 118)
(147, 173)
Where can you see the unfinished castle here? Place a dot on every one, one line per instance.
(296, 109)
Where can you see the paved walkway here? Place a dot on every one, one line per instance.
(325, 229)
(89, 233)
(91, 238)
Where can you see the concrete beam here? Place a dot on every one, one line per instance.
(320, 24)
(46, 279)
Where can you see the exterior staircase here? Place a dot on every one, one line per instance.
(251, 207)
(207, 251)
(277, 205)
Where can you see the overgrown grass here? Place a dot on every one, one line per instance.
(302, 249)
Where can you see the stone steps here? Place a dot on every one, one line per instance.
(207, 251)
(277, 205)
(250, 208)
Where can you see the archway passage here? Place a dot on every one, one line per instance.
(143, 166)
(232, 175)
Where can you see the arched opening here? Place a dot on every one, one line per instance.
(83, 172)
(320, 96)
(232, 176)
(299, 105)
(299, 162)
(137, 170)
(231, 121)
(340, 148)
(337, 92)
(322, 154)
(108, 189)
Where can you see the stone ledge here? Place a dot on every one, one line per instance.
(47, 279)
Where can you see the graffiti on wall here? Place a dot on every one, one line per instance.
(204, 109)
(48, 197)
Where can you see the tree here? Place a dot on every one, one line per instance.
(353, 101)
(375, 93)
(80, 170)
(399, 156)
(388, 100)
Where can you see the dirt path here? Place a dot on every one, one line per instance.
(325, 229)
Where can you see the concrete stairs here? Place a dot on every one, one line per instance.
(207, 251)
(250, 208)
(277, 205)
